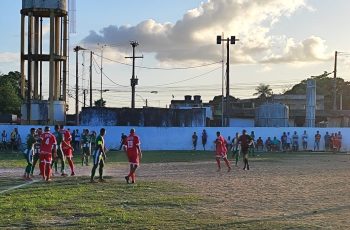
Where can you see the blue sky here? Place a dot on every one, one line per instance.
(280, 44)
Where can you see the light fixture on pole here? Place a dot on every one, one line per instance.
(76, 50)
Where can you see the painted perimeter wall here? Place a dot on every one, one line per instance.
(161, 138)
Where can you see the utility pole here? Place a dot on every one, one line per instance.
(76, 50)
(229, 41)
(90, 79)
(84, 93)
(335, 82)
(133, 80)
(101, 73)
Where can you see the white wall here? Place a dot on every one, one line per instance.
(179, 138)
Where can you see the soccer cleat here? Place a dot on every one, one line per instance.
(132, 182)
(229, 169)
(101, 180)
(93, 181)
(127, 179)
(218, 170)
(72, 174)
(64, 174)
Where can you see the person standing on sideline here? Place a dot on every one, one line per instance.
(317, 141)
(194, 140)
(327, 141)
(221, 151)
(245, 141)
(304, 138)
(47, 151)
(99, 156)
(235, 148)
(204, 138)
(133, 150)
(295, 145)
(29, 152)
(3, 140)
(67, 148)
(86, 145)
(340, 139)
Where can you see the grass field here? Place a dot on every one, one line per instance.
(182, 190)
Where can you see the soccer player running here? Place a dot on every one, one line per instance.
(245, 141)
(47, 149)
(28, 154)
(99, 157)
(221, 151)
(67, 148)
(86, 145)
(133, 150)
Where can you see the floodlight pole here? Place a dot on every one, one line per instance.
(229, 40)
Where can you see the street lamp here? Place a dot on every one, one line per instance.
(229, 40)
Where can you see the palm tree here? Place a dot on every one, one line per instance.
(98, 103)
(263, 91)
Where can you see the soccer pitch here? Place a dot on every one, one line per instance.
(182, 190)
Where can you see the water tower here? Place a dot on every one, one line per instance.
(44, 61)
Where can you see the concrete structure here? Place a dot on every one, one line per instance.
(310, 103)
(179, 138)
(298, 102)
(272, 115)
(33, 13)
(148, 116)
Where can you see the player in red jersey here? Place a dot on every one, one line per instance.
(133, 150)
(47, 149)
(221, 151)
(67, 148)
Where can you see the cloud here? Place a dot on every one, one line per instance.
(8, 57)
(309, 50)
(193, 38)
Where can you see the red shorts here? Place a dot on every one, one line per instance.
(134, 158)
(46, 157)
(68, 152)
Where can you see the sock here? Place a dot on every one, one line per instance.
(71, 164)
(218, 162)
(42, 168)
(227, 163)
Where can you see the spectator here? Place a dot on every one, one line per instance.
(204, 138)
(3, 140)
(295, 143)
(289, 141)
(252, 146)
(122, 140)
(14, 139)
(268, 144)
(194, 140)
(275, 144)
(340, 139)
(327, 142)
(259, 145)
(304, 138)
(317, 141)
(284, 141)
(235, 148)
(77, 140)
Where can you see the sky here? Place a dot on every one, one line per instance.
(280, 44)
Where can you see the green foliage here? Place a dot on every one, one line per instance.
(324, 86)
(99, 104)
(10, 99)
(263, 91)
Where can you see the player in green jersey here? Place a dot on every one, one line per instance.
(86, 145)
(99, 156)
(60, 155)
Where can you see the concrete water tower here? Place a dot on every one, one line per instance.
(38, 55)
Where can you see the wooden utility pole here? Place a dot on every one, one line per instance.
(335, 82)
(91, 78)
(133, 80)
(76, 50)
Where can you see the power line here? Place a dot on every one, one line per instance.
(160, 68)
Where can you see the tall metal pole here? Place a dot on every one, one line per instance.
(335, 82)
(133, 80)
(223, 83)
(101, 99)
(76, 87)
(90, 78)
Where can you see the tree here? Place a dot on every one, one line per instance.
(98, 103)
(10, 102)
(263, 91)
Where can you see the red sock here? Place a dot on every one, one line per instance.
(227, 163)
(218, 162)
(47, 170)
(71, 164)
(42, 168)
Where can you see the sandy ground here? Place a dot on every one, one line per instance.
(311, 190)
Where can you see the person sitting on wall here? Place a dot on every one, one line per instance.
(268, 144)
